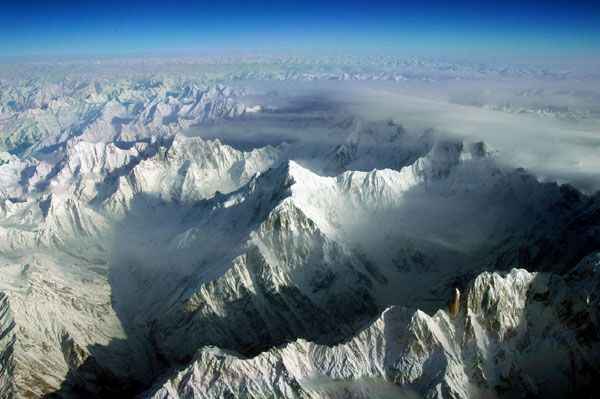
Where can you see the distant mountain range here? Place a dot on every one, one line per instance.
(361, 259)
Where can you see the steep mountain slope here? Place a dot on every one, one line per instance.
(66, 229)
(378, 145)
(133, 256)
(170, 264)
(498, 346)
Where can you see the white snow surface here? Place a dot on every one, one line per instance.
(506, 326)
(136, 257)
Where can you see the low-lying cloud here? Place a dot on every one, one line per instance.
(550, 128)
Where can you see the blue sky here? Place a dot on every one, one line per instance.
(134, 27)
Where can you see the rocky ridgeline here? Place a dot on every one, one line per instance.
(497, 343)
(129, 250)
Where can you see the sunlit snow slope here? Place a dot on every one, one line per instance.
(191, 235)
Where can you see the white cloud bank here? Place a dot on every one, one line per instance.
(553, 149)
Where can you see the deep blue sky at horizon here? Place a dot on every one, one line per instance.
(137, 27)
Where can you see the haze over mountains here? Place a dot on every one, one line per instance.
(296, 226)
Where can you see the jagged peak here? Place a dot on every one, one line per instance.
(407, 347)
(287, 216)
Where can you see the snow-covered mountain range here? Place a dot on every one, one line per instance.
(144, 250)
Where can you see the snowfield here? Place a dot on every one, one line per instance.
(188, 229)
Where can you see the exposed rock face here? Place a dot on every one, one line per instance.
(492, 349)
(454, 305)
(133, 256)
(7, 342)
